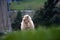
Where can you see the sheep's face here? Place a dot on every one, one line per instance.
(26, 19)
(27, 23)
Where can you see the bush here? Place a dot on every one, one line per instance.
(38, 34)
(47, 15)
(17, 22)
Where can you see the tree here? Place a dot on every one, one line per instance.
(46, 15)
(48, 8)
(17, 22)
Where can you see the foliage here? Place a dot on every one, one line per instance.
(48, 15)
(38, 34)
(19, 0)
(33, 4)
(17, 21)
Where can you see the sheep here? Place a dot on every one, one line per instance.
(27, 23)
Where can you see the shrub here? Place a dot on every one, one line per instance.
(17, 22)
(47, 15)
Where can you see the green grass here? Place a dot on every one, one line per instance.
(38, 34)
(33, 4)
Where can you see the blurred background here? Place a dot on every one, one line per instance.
(44, 13)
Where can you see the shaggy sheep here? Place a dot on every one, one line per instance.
(27, 23)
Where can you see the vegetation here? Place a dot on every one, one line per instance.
(25, 4)
(17, 22)
(38, 34)
(47, 15)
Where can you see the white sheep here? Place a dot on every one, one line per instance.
(27, 23)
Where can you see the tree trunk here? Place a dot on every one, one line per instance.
(4, 17)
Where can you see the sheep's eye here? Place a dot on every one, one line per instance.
(27, 16)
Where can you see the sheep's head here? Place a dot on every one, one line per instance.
(26, 18)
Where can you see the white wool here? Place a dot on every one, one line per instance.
(30, 23)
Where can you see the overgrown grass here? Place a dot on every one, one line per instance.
(38, 34)
(33, 4)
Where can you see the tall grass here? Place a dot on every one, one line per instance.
(33, 4)
(38, 34)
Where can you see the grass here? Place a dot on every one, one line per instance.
(33, 4)
(38, 34)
